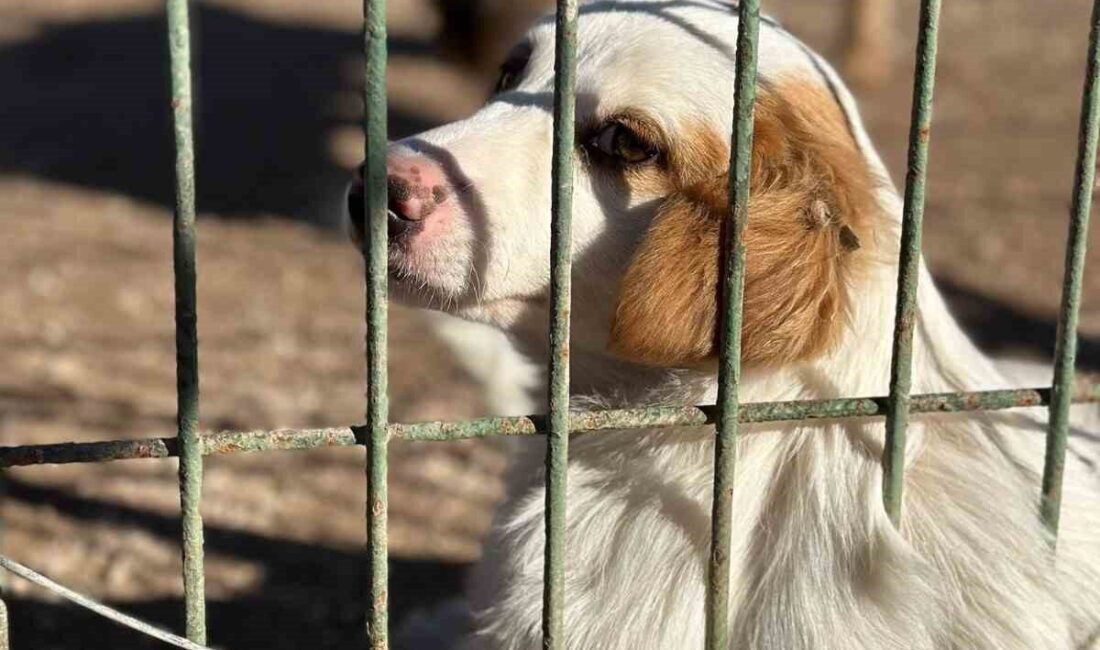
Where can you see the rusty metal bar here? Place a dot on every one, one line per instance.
(187, 341)
(557, 440)
(234, 442)
(1065, 352)
(920, 126)
(376, 251)
(733, 287)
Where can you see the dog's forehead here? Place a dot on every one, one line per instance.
(664, 54)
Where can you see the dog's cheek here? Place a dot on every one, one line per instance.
(667, 304)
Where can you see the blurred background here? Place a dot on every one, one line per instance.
(86, 322)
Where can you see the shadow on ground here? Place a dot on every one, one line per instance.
(89, 104)
(311, 596)
(1001, 329)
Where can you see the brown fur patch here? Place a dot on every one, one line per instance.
(812, 203)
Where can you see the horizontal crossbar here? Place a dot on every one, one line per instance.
(232, 442)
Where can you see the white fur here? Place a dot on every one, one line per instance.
(508, 380)
(815, 563)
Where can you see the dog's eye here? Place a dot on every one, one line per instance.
(512, 70)
(617, 141)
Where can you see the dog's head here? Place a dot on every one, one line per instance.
(470, 202)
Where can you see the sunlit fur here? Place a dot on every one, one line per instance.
(815, 561)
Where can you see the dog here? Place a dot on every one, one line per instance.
(480, 32)
(815, 561)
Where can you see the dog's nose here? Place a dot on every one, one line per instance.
(406, 211)
(404, 215)
(417, 189)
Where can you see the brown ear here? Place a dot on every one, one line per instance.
(668, 297)
(812, 206)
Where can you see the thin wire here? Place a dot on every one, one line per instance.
(30, 575)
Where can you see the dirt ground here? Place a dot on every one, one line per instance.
(86, 330)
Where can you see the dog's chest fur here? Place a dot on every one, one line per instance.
(815, 562)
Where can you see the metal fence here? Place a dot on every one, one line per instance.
(726, 415)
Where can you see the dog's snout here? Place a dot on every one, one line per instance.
(417, 190)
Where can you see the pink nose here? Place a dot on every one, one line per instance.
(417, 190)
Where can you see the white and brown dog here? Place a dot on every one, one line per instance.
(816, 563)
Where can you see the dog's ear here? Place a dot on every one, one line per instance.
(812, 206)
(668, 300)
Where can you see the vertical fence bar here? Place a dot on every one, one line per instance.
(187, 342)
(557, 443)
(1065, 354)
(729, 370)
(376, 244)
(897, 414)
